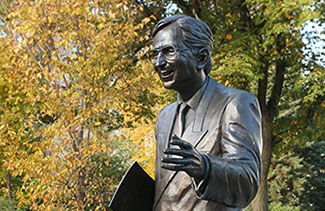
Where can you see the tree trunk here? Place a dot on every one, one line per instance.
(9, 186)
(260, 202)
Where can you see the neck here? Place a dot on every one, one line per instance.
(192, 86)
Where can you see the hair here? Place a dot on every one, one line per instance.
(196, 34)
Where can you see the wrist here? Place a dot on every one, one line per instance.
(202, 173)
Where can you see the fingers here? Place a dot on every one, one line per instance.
(177, 161)
(181, 143)
(185, 168)
(189, 159)
(189, 162)
(179, 152)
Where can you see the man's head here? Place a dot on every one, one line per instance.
(182, 49)
(195, 33)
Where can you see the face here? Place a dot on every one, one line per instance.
(175, 63)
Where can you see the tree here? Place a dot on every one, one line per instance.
(299, 143)
(313, 194)
(12, 113)
(67, 84)
(259, 44)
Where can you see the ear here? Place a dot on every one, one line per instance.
(202, 58)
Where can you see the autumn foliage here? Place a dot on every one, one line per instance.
(68, 83)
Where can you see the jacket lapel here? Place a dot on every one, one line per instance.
(171, 125)
(166, 175)
(203, 106)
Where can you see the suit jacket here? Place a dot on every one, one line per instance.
(227, 131)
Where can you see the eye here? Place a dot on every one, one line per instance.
(169, 51)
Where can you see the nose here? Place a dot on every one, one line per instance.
(160, 62)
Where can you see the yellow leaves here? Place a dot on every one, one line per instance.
(318, 72)
(228, 14)
(229, 36)
(142, 137)
(286, 15)
(145, 20)
(73, 72)
(287, 41)
(274, 52)
(101, 26)
(218, 78)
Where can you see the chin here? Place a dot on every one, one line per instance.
(169, 84)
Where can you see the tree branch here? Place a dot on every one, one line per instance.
(197, 8)
(262, 87)
(186, 8)
(9, 187)
(280, 65)
(147, 11)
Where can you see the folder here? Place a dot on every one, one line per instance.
(135, 191)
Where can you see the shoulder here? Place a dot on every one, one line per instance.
(241, 96)
(241, 104)
(165, 112)
(231, 95)
(167, 109)
(165, 116)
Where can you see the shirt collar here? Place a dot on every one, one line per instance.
(194, 101)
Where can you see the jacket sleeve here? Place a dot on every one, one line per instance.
(233, 176)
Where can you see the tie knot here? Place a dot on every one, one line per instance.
(183, 107)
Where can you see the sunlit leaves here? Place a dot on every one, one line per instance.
(71, 82)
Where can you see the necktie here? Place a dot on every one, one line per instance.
(181, 117)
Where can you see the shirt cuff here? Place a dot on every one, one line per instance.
(200, 188)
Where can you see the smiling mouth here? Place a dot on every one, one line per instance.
(166, 74)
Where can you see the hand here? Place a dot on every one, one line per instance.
(188, 160)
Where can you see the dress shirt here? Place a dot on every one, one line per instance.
(193, 103)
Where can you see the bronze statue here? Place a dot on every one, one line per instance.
(209, 141)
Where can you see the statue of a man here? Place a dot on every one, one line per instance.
(209, 141)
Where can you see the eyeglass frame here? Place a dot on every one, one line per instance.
(154, 53)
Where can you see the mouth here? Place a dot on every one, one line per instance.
(166, 74)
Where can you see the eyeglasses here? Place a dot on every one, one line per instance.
(168, 51)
